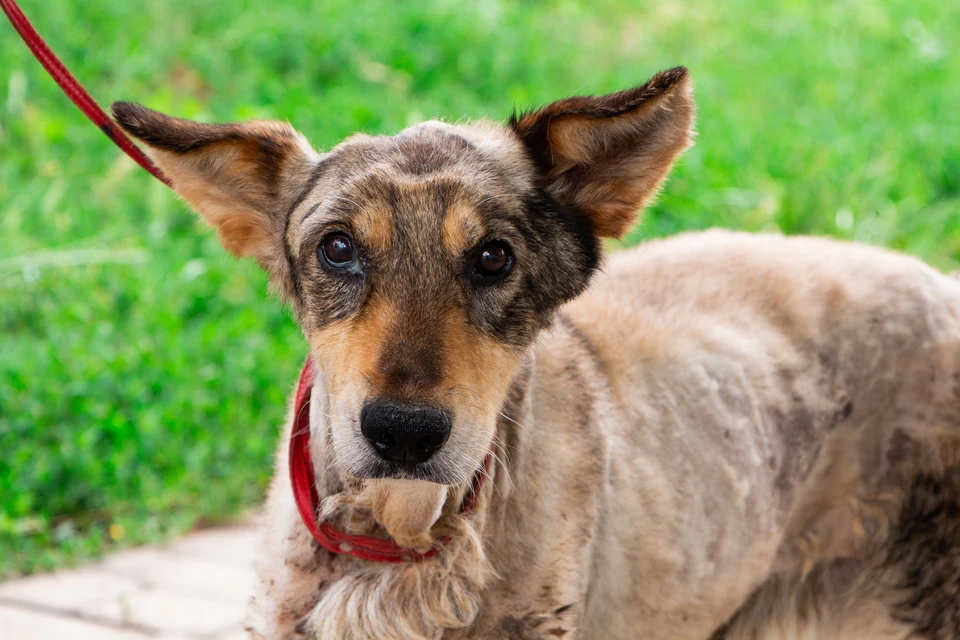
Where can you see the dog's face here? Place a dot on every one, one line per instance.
(422, 266)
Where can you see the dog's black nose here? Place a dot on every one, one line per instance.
(408, 435)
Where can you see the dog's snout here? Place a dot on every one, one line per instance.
(404, 434)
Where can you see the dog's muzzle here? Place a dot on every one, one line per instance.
(303, 481)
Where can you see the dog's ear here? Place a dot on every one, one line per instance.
(606, 156)
(241, 178)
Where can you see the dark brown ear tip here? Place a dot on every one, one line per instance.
(159, 130)
(668, 79)
(679, 72)
(130, 115)
(120, 107)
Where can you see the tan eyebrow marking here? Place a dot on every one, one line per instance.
(462, 228)
(374, 223)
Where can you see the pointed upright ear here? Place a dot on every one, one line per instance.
(607, 156)
(241, 178)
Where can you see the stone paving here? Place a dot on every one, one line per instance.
(193, 589)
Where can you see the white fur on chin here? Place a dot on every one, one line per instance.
(413, 600)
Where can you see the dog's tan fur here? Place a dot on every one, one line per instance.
(714, 417)
(407, 509)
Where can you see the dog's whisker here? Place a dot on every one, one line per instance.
(296, 419)
(505, 469)
(362, 374)
(506, 417)
(502, 448)
(487, 475)
(452, 467)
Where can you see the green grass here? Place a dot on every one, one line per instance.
(143, 374)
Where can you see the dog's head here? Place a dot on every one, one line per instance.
(421, 266)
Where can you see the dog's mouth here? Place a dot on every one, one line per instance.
(376, 469)
(400, 499)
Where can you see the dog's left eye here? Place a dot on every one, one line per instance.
(337, 250)
(495, 260)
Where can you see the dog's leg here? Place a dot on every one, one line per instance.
(291, 572)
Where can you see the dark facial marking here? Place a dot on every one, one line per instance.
(562, 255)
(413, 358)
(318, 171)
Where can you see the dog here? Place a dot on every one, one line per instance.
(539, 442)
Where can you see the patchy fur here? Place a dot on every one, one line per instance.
(905, 585)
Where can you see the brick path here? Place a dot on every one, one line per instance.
(193, 589)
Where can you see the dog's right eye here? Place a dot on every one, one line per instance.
(494, 262)
(337, 250)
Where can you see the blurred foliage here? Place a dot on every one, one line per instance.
(143, 373)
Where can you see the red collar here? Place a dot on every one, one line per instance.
(308, 502)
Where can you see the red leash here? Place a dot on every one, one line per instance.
(75, 90)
